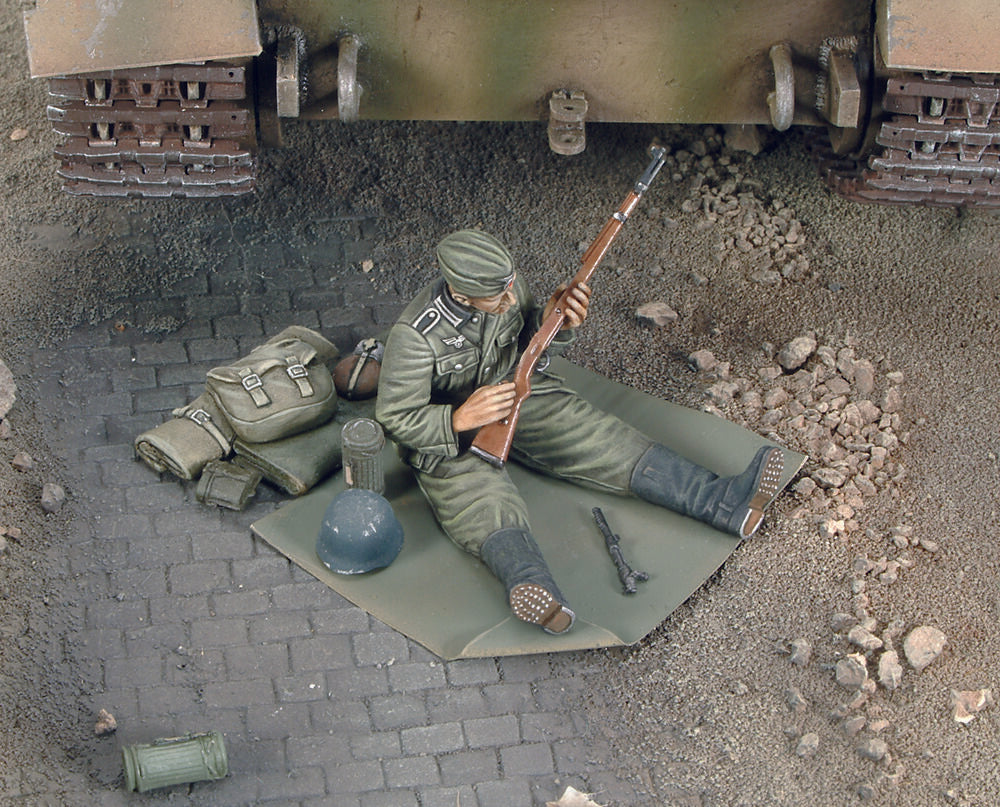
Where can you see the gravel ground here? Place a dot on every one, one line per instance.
(752, 692)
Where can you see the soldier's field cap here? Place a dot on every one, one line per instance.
(474, 263)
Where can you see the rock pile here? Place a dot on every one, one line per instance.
(841, 410)
(763, 238)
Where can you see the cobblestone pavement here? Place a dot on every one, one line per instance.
(191, 624)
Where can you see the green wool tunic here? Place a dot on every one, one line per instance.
(437, 354)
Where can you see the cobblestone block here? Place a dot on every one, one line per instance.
(353, 682)
(456, 704)
(256, 660)
(337, 717)
(168, 636)
(136, 671)
(174, 700)
(299, 688)
(503, 793)
(155, 498)
(242, 326)
(109, 613)
(154, 354)
(377, 745)
(281, 320)
(576, 755)
(130, 583)
(410, 677)
(159, 399)
(240, 603)
(235, 282)
(204, 309)
(346, 619)
(271, 721)
(551, 695)
(509, 698)
(183, 375)
(448, 797)
(356, 777)
(134, 378)
(305, 595)
(103, 643)
(219, 633)
(212, 350)
(332, 751)
(472, 671)
(464, 767)
(237, 694)
(546, 727)
(320, 653)
(288, 278)
(262, 572)
(279, 626)
(394, 798)
(201, 577)
(397, 711)
(527, 759)
(492, 732)
(180, 609)
(411, 772)
(381, 648)
(437, 739)
(295, 784)
(269, 303)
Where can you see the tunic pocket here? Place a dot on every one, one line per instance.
(458, 363)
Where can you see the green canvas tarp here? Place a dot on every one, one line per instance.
(448, 601)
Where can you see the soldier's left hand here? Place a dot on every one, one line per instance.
(577, 304)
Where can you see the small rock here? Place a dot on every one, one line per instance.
(3, 545)
(367, 265)
(22, 461)
(968, 703)
(53, 497)
(106, 723)
(863, 639)
(801, 652)
(890, 671)
(794, 354)
(8, 390)
(852, 725)
(923, 645)
(655, 313)
(4, 430)
(852, 672)
(18, 134)
(808, 744)
(795, 700)
(703, 360)
(866, 791)
(840, 622)
(873, 749)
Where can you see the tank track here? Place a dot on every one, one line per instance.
(175, 130)
(940, 145)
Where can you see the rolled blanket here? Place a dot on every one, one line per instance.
(296, 463)
(185, 444)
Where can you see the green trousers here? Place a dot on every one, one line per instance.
(558, 434)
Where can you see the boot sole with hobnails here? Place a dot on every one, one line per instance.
(768, 485)
(533, 603)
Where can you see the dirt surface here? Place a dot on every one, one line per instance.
(735, 699)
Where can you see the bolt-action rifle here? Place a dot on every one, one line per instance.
(493, 441)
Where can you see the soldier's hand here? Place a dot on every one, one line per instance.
(577, 304)
(485, 405)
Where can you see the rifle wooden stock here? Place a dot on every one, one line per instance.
(494, 440)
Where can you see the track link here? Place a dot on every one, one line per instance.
(940, 145)
(175, 130)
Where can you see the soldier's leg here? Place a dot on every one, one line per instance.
(561, 434)
(481, 510)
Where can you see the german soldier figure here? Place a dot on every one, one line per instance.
(444, 375)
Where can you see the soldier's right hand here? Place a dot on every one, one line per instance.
(485, 405)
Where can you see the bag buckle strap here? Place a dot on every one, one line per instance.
(253, 384)
(300, 375)
(203, 419)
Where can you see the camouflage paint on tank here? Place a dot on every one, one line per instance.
(959, 36)
(84, 36)
(687, 61)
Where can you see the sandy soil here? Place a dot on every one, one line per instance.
(703, 711)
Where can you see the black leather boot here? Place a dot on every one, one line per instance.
(733, 504)
(514, 557)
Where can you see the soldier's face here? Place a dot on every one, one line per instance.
(497, 304)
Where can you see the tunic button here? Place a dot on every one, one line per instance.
(475, 319)
(458, 366)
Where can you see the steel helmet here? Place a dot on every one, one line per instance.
(359, 533)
